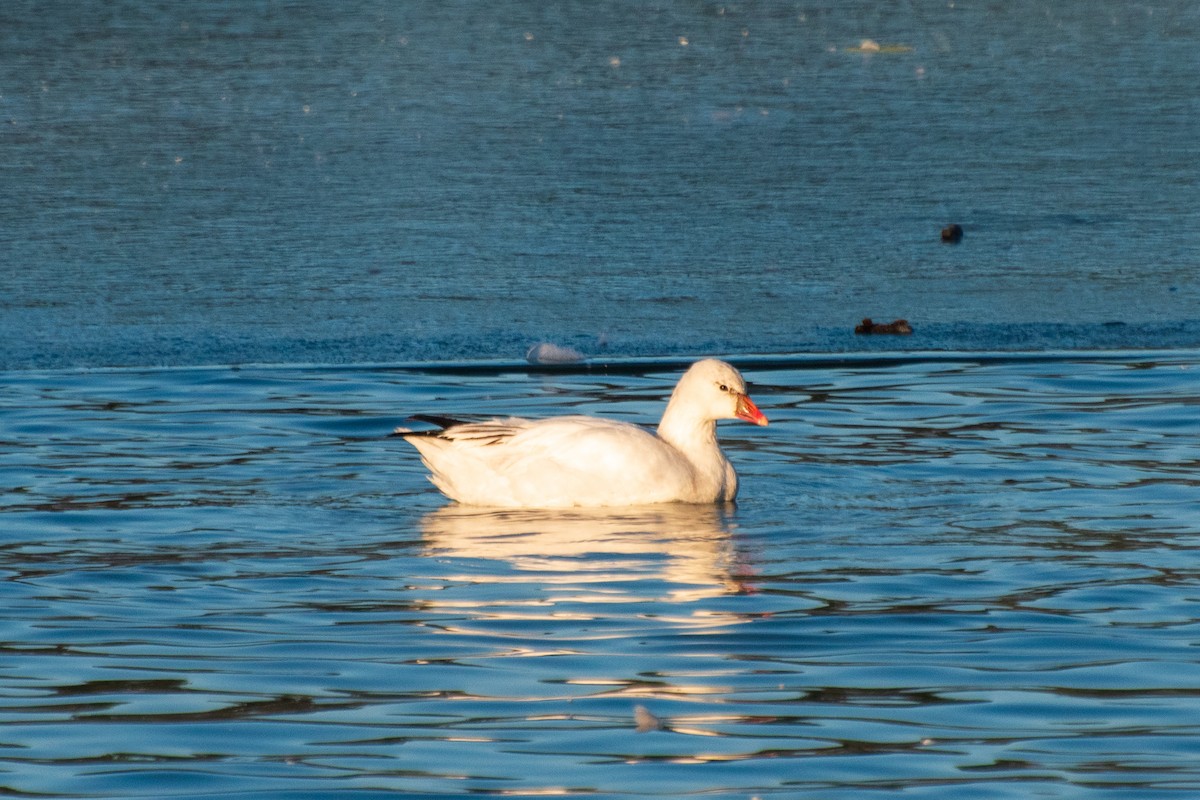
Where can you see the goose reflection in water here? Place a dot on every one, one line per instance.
(684, 551)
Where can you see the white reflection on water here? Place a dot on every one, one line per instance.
(685, 549)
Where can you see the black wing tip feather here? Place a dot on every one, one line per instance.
(440, 420)
(442, 423)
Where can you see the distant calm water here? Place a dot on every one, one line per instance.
(946, 578)
(212, 183)
(240, 242)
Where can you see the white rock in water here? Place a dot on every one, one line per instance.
(547, 353)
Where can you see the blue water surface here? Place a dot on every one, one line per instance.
(947, 577)
(300, 182)
(240, 242)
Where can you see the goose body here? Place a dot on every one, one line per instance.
(588, 461)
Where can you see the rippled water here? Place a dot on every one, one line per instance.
(950, 576)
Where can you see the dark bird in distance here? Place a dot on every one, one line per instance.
(899, 327)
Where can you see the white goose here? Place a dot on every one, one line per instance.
(586, 461)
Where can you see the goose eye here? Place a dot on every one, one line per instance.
(724, 388)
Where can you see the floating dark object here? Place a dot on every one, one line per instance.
(899, 327)
(952, 233)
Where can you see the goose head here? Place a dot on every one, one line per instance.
(713, 390)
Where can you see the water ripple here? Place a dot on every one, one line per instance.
(944, 577)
